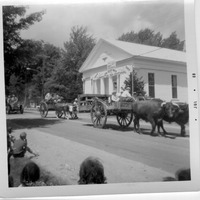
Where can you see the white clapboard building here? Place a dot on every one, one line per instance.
(164, 71)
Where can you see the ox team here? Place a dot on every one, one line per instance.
(156, 110)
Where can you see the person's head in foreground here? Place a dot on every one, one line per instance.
(180, 175)
(30, 174)
(183, 175)
(91, 172)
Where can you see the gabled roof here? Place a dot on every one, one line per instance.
(150, 51)
(139, 50)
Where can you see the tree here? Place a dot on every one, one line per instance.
(138, 83)
(14, 20)
(172, 42)
(66, 78)
(42, 67)
(144, 36)
(149, 37)
(16, 87)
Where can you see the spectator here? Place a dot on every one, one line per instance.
(20, 147)
(75, 102)
(8, 99)
(29, 175)
(10, 181)
(183, 175)
(91, 172)
(180, 175)
(10, 141)
(75, 110)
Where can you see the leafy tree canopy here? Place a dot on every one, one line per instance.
(149, 37)
(14, 20)
(66, 78)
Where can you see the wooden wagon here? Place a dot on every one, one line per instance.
(100, 109)
(51, 105)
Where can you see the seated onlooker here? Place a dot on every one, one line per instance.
(10, 141)
(91, 172)
(20, 147)
(29, 175)
(183, 175)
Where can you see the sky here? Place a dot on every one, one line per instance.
(106, 20)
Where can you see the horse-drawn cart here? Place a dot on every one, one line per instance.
(60, 108)
(122, 109)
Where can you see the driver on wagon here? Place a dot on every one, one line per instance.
(125, 92)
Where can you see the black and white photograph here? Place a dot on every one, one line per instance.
(99, 98)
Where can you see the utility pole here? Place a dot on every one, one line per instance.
(25, 96)
(43, 65)
(41, 71)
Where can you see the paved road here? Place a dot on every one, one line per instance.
(163, 153)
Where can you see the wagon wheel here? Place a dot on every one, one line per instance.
(124, 118)
(98, 114)
(43, 109)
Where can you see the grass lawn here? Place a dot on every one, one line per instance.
(17, 165)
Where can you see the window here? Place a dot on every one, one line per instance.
(151, 85)
(174, 86)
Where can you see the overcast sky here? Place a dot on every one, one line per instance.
(106, 20)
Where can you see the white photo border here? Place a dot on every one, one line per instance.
(131, 188)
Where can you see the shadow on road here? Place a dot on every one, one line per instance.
(144, 131)
(22, 123)
(168, 135)
(114, 127)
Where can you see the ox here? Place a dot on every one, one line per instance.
(150, 111)
(62, 110)
(175, 112)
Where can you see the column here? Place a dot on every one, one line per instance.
(102, 86)
(118, 83)
(110, 81)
